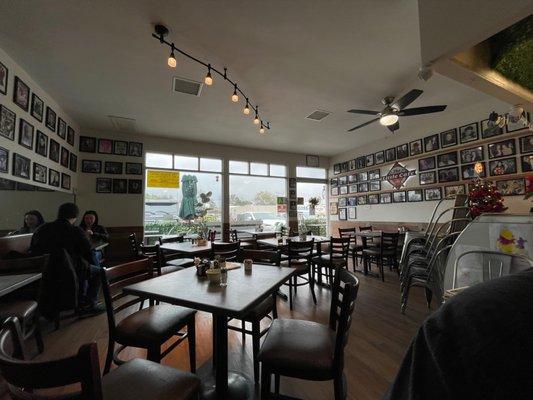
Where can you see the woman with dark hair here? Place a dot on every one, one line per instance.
(32, 220)
(89, 224)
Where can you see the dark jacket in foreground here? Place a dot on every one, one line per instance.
(478, 345)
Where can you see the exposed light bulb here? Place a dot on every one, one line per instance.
(235, 97)
(208, 78)
(256, 120)
(246, 108)
(262, 129)
(388, 119)
(172, 59)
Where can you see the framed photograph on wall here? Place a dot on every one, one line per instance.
(390, 154)
(134, 168)
(135, 186)
(414, 195)
(398, 197)
(352, 213)
(425, 164)
(120, 148)
(468, 172)
(26, 134)
(343, 202)
(468, 133)
(527, 163)
(385, 198)
(335, 191)
(103, 185)
(113, 167)
(37, 107)
(120, 186)
(310, 160)
(402, 151)
(87, 144)
(343, 180)
(360, 162)
(61, 128)
(512, 187)
(40, 173)
(332, 181)
(526, 144)
(343, 189)
(490, 129)
(370, 160)
(70, 136)
(352, 178)
(4, 160)
(504, 148)
(453, 190)
(447, 159)
(21, 166)
(432, 194)
(21, 94)
(362, 176)
(373, 174)
(135, 149)
(361, 200)
(8, 120)
(472, 154)
(352, 188)
(427, 178)
(351, 165)
(379, 157)
(73, 162)
(4, 74)
(352, 201)
(448, 138)
(374, 186)
(516, 125)
(362, 187)
(51, 119)
(65, 156)
(336, 169)
(65, 181)
(431, 143)
(41, 144)
(91, 166)
(343, 216)
(105, 146)
(373, 199)
(333, 208)
(415, 147)
(53, 177)
(54, 151)
(504, 166)
(448, 174)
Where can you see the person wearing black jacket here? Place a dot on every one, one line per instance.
(52, 237)
(89, 224)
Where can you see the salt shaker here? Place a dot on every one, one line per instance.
(223, 276)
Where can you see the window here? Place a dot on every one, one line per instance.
(154, 160)
(278, 170)
(238, 167)
(308, 172)
(183, 162)
(312, 218)
(258, 169)
(210, 165)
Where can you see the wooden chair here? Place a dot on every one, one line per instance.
(370, 241)
(26, 310)
(229, 251)
(149, 327)
(299, 256)
(356, 248)
(135, 380)
(386, 253)
(173, 261)
(161, 264)
(309, 350)
(247, 242)
(134, 244)
(336, 256)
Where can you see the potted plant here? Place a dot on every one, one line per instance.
(313, 202)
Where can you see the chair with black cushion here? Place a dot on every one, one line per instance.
(228, 251)
(385, 254)
(161, 267)
(25, 309)
(149, 327)
(309, 350)
(247, 242)
(370, 242)
(137, 379)
(172, 261)
(336, 256)
(299, 255)
(356, 248)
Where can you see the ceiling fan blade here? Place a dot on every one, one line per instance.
(368, 112)
(394, 127)
(421, 110)
(407, 99)
(365, 124)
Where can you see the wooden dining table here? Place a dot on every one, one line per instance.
(187, 248)
(274, 242)
(244, 291)
(10, 283)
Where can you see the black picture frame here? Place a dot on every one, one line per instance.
(21, 166)
(41, 143)
(402, 151)
(502, 166)
(469, 133)
(489, 130)
(431, 143)
(104, 185)
(447, 159)
(516, 126)
(427, 178)
(65, 181)
(362, 176)
(448, 175)
(360, 162)
(113, 167)
(65, 157)
(433, 194)
(343, 189)
(54, 151)
(105, 146)
(135, 186)
(452, 190)
(427, 163)
(4, 78)
(468, 172)
(8, 122)
(332, 181)
(352, 188)
(369, 160)
(334, 191)
(361, 200)
(504, 148)
(399, 196)
(73, 162)
(336, 169)
(135, 149)
(526, 144)
(4, 160)
(26, 134)
(385, 198)
(362, 187)
(137, 169)
(372, 199)
(71, 134)
(310, 161)
(414, 195)
(374, 174)
(343, 214)
(390, 154)
(526, 162)
(61, 128)
(120, 147)
(351, 165)
(54, 178)
(37, 107)
(448, 138)
(472, 154)
(51, 119)
(374, 186)
(512, 187)
(21, 94)
(87, 144)
(416, 148)
(91, 166)
(379, 157)
(120, 186)
(343, 201)
(343, 180)
(40, 173)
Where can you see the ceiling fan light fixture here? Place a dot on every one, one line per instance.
(388, 119)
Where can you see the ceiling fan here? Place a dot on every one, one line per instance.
(394, 109)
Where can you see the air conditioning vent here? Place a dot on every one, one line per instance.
(123, 124)
(318, 115)
(187, 86)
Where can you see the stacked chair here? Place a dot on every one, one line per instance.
(384, 254)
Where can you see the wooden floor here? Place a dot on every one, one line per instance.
(379, 337)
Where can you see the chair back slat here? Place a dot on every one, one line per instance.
(171, 239)
(25, 376)
(154, 253)
(230, 251)
(339, 247)
(261, 256)
(300, 250)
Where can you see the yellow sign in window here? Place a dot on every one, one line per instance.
(163, 179)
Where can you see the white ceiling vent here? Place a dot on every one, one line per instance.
(186, 86)
(123, 124)
(318, 115)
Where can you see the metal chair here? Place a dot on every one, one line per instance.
(385, 253)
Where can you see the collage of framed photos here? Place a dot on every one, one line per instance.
(449, 168)
(118, 148)
(53, 146)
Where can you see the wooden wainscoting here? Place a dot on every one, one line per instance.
(380, 225)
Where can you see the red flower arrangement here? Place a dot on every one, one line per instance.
(484, 197)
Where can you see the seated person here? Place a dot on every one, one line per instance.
(52, 237)
(478, 345)
(32, 220)
(95, 232)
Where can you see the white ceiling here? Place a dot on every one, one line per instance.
(97, 58)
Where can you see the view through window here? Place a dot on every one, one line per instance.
(312, 214)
